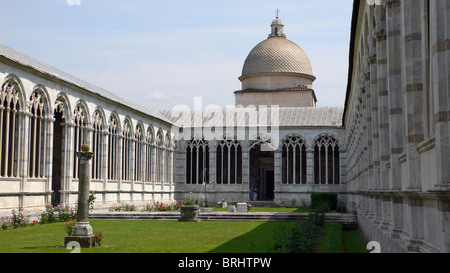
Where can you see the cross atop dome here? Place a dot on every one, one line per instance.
(277, 27)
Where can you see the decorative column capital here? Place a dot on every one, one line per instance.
(85, 153)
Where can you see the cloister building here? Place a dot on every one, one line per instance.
(386, 152)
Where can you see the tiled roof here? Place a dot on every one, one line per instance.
(25, 60)
(287, 117)
(277, 54)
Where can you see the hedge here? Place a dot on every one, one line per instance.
(319, 199)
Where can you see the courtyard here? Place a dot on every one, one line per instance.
(169, 236)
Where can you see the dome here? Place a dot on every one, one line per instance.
(277, 55)
(277, 21)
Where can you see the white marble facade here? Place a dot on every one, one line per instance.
(386, 152)
(72, 113)
(397, 125)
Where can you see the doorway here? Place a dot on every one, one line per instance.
(58, 158)
(262, 173)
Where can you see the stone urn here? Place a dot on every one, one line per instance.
(189, 213)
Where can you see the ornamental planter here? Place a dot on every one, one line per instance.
(189, 214)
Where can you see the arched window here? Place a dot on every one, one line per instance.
(229, 162)
(97, 145)
(159, 157)
(139, 143)
(294, 160)
(326, 161)
(197, 162)
(167, 159)
(37, 133)
(113, 140)
(80, 121)
(126, 150)
(9, 129)
(149, 150)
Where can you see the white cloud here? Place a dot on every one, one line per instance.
(73, 2)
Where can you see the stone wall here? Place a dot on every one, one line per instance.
(61, 92)
(397, 124)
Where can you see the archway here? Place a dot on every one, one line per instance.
(59, 126)
(262, 175)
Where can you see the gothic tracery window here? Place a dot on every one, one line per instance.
(126, 151)
(197, 161)
(139, 143)
(37, 136)
(167, 159)
(97, 145)
(79, 134)
(113, 140)
(294, 160)
(9, 129)
(326, 161)
(159, 157)
(229, 162)
(149, 150)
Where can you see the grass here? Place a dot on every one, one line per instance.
(139, 236)
(336, 240)
(144, 236)
(332, 241)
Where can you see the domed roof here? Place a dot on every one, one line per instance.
(277, 21)
(277, 54)
(274, 55)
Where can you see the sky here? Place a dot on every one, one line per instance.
(161, 54)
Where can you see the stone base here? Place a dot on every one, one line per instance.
(82, 229)
(189, 214)
(84, 241)
(242, 207)
(206, 210)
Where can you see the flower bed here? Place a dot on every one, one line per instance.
(51, 214)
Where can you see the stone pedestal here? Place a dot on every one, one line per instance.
(231, 208)
(83, 241)
(189, 214)
(83, 232)
(242, 207)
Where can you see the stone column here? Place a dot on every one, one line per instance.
(412, 88)
(440, 67)
(383, 98)
(278, 175)
(83, 232)
(310, 165)
(374, 114)
(246, 167)
(394, 85)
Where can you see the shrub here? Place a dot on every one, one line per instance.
(68, 227)
(19, 219)
(302, 237)
(189, 202)
(122, 207)
(5, 222)
(160, 206)
(98, 237)
(66, 214)
(57, 214)
(323, 202)
(48, 216)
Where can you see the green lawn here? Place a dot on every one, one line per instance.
(336, 240)
(146, 236)
(139, 236)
